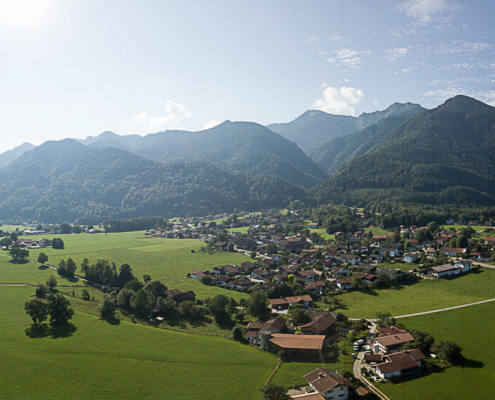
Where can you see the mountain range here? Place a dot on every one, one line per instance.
(404, 154)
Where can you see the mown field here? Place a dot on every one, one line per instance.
(160, 258)
(98, 360)
(29, 273)
(425, 295)
(477, 228)
(376, 231)
(471, 328)
(202, 291)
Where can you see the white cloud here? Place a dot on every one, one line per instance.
(141, 117)
(176, 113)
(349, 57)
(314, 39)
(346, 80)
(211, 124)
(396, 53)
(323, 86)
(330, 60)
(339, 102)
(375, 103)
(424, 10)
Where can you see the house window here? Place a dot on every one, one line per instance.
(341, 395)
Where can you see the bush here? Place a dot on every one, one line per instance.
(237, 333)
(42, 290)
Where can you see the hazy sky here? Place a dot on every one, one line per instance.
(77, 68)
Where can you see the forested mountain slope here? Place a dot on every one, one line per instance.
(66, 180)
(10, 156)
(444, 155)
(331, 155)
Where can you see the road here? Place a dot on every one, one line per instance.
(444, 309)
(357, 368)
(484, 265)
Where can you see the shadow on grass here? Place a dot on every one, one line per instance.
(468, 363)
(54, 331)
(43, 267)
(13, 261)
(111, 321)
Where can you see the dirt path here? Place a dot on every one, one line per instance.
(484, 265)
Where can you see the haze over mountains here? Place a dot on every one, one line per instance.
(404, 153)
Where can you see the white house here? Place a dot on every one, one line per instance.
(411, 257)
(328, 384)
(398, 364)
(466, 265)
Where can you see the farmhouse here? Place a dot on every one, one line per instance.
(321, 323)
(297, 345)
(445, 270)
(304, 300)
(398, 364)
(328, 384)
(274, 325)
(452, 251)
(179, 296)
(393, 342)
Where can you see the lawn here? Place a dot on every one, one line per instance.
(376, 231)
(322, 232)
(425, 295)
(471, 328)
(203, 291)
(477, 228)
(29, 273)
(99, 360)
(292, 373)
(160, 258)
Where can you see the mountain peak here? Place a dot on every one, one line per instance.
(464, 103)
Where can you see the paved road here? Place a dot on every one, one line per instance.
(445, 309)
(357, 368)
(484, 265)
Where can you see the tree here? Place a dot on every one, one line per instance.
(6, 242)
(146, 278)
(17, 253)
(125, 274)
(385, 319)
(37, 310)
(66, 228)
(252, 254)
(258, 304)
(134, 285)
(141, 300)
(237, 333)
(356, 282)
(51, 282)
(299, 317)
(85, 295)
(42, 258)
(14, 237)
(274, 392)
(59, 308)
(207, 280)
(448, 351)
(217, 308)
(70, 268)
(271, 248)
(124, 298)
(42, 290)
(432, 226)
(230, 247)
(108, 308)
(85, 266)
(166, 307)
(58, 243)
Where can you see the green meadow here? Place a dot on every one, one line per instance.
(203, 291)
(29, 273)
(160, 258)
(98, 360)
(472, 329)
(424, 295)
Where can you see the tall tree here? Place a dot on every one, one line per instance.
(59, 308)
(37, 310)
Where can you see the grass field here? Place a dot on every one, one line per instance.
(29, 273)
(99, 360)
(477, 228)
(322, 232)
(202, 291)
(160, 258)
(425, 295)
(471, 328)
(376, 231)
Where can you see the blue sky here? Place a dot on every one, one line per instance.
(78, 68)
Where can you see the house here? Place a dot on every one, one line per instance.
(344, 283)
(221, 245)
(317, 286)
(267, 286)
(232, 270)
(328, 384)
(489, 240)
(296, 345)
(392, 343)
(350, 259)
(388, 251)
(222, 280)
(390, 330)
(399, 364)
(294, 245)
(284, 302)
(245, 243)
(308, 276)
(411, 257)
(452, 251)
(281, 278)
(259, 273)
(199, 274)
(484, 256)
(274, 325)
(442, 271)
(179, 296)
(248, 265)
(321, 323)
(243, 284)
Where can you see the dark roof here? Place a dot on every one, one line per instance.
(321, 322)
(400, 361)
(390, 330)
(324, 380)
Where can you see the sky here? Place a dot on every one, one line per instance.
(77, 68)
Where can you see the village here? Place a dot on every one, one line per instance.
(302, 273)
